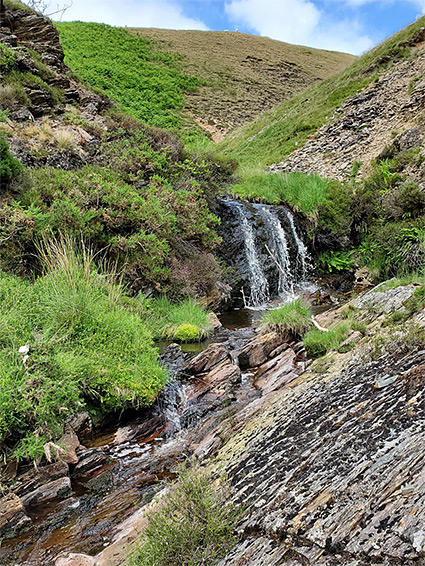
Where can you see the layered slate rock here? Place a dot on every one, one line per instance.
(332, 469)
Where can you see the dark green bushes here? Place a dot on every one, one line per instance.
(9, 166)
(145, 204)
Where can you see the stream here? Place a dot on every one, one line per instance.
(131, 461)
(125, 464)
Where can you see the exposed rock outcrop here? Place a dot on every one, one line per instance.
(385, 112)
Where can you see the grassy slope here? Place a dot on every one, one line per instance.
(272, 136)
(244, 74)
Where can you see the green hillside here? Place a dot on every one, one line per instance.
(146, 82)
(273, 135)
(242, 74)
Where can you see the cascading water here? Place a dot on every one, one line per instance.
(259, 285)
(263, 246)
(277, 247)
(303, 258)
(173, 402)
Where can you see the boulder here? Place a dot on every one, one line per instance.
(12, 516)
(60, 488)
(90, 460)
(207, 360)
(33, 479)
(259, 350)
(69, 442)
(80, 423)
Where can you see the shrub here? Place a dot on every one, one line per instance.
(193, 526)
(197, 275)
(9, 165)
(294, 318)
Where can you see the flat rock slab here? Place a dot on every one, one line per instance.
(384, 301)
(59, 488)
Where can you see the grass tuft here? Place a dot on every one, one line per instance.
(302, 192)
(294, 318)
(185, 321)
(319, 343)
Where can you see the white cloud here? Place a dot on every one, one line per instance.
(300, 22)
(420, 4)
(166, 14)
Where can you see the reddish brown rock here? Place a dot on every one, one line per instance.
(12, 516)
(69, 442)
(259, 350)
(208, 359)
(31, 480)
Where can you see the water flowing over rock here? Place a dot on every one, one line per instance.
(263, 246)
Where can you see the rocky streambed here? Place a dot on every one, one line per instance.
(327, 456)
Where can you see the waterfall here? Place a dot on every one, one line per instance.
(278, 247)
(261, 243)
(303, 259)
(259, 285)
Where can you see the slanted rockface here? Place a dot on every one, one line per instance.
(389, 110)
(332, 471)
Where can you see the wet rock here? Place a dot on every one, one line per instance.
(173, 358)
(207, 360)
(60, 488)
(259, 350)
(13, 518)
(33, 479)
(90, 460)
(81, 424)
(134, 431)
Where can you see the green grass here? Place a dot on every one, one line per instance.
(275, 134)
(192, 526)
(294, 318)
(184, 321)
(302, 192)
(318, 343)
(147, 83)
(85, 349)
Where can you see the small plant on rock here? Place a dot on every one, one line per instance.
(293, 318)
(193, 525)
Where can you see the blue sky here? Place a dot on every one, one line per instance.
(353, 26)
